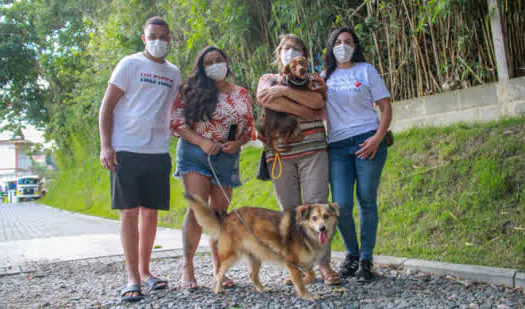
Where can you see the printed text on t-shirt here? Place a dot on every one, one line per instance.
(155, 79)
(355, 86)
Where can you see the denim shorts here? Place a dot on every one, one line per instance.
(191, 158)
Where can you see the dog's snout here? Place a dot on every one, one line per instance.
(302, 70)
(322, 228)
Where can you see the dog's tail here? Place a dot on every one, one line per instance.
(205, 215)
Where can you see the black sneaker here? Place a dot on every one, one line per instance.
(366, 272)
(350, 266)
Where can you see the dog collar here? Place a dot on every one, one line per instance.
(296, 82)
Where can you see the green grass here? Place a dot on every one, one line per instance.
(453, 194)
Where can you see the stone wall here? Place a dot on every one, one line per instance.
(482, 103)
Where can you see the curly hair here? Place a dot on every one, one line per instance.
(199, 93)
(329, 59)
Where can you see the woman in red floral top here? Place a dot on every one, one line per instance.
(213, 117)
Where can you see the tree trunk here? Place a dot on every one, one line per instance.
(498, 40)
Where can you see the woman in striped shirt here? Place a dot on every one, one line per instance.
(303, 168)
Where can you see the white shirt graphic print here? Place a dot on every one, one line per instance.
(350, 101)
(142, 115)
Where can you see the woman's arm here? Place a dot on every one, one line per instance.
(310, 99)
(207, 145)
(233, 146)
(280, 103)
(386, 116)
(369, 147)
(283, 104)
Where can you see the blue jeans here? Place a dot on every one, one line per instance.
(346, 172)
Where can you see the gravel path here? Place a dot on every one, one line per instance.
(96, 284)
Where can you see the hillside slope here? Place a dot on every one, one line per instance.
(453, 194)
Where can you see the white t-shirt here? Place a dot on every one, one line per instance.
(350, 102)
(142, 115)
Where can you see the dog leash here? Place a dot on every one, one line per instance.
(277, 158)
(303, 269)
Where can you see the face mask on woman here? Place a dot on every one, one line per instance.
(157, 48)
(217, 71)
(343, 53)
(288, 54)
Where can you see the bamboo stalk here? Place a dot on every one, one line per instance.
(436, 56)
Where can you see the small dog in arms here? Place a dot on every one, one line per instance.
(278, 128)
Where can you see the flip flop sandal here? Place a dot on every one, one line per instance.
(288, 280)
(331, 279)
(155, 283)
(188, 285)
(130, 289)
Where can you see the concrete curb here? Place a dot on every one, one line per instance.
(491, 275)
(519, 280)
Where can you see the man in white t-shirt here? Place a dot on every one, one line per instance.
(134, 137)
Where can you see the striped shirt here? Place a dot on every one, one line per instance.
(313, 132)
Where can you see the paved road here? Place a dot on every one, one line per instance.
(31, 232)
(25, 221)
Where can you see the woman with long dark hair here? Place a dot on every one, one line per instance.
(214, 118)
(356, 150)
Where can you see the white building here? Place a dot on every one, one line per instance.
(14, 160)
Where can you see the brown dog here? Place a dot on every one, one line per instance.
(283, 126)
(298, 237)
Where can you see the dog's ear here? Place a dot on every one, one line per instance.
(303, 212)
(334, 208)
(287, 69)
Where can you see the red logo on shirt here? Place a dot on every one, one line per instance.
(357, 84)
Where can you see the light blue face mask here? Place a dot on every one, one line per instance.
(217, 71)
(288, 54)
(157, 48)
(343, 53)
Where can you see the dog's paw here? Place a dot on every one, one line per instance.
(311, 297)
(308, 279)
(263, 290)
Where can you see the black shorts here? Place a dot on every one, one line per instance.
(141, 179)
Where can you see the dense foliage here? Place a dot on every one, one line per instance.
(57, 55)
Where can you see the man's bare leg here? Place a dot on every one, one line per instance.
(147, 232)
(129, 237)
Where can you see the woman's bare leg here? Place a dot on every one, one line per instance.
(191, 231)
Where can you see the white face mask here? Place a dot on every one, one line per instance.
(217, 71)
(343, 53)
(157, 48)
(288, 54)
